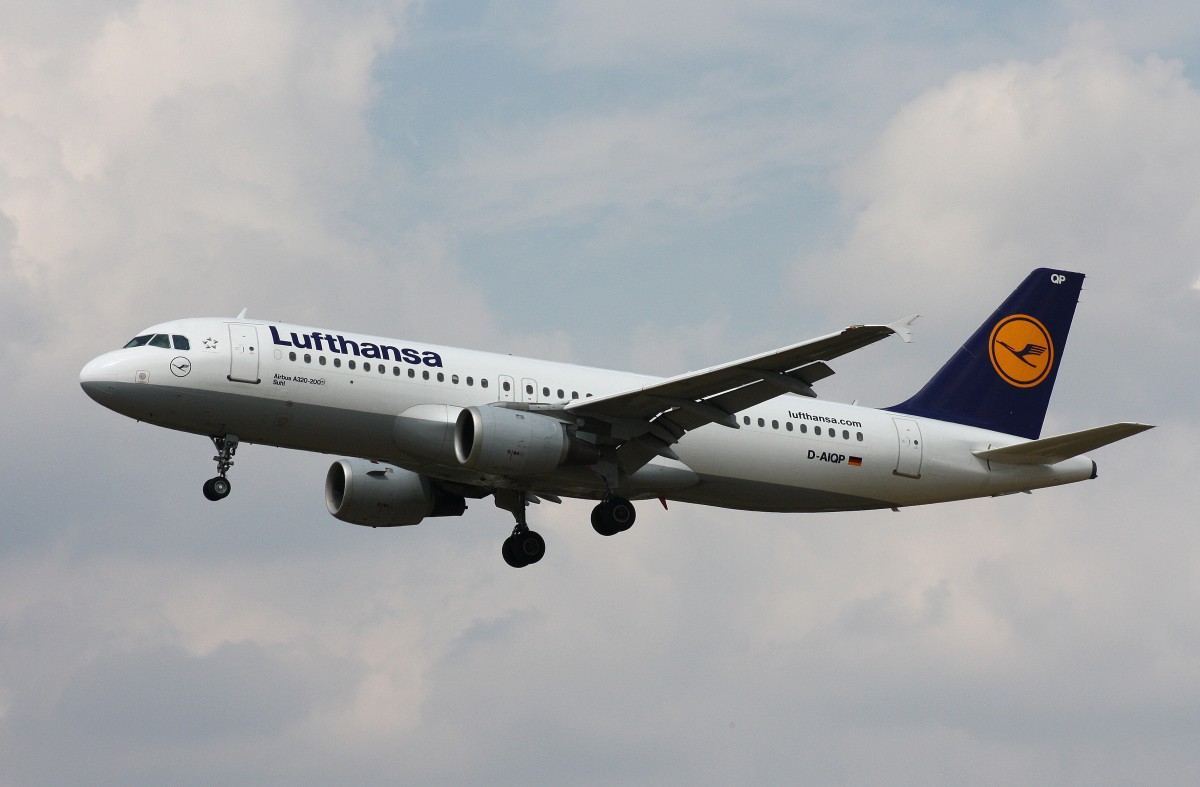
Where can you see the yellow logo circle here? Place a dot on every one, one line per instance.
(1021, 350)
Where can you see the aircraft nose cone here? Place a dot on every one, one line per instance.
(97, 378)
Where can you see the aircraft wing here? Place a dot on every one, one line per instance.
(667, 409)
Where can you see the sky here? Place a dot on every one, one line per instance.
(653, 186)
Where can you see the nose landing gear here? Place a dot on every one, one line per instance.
(218, 488)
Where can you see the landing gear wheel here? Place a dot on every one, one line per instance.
(509, 550)
(613, 515)
(530, 546)
(523, 549)
(600, 521)
(216, 488)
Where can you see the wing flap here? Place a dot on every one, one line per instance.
(1051, 450)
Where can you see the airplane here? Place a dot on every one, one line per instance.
(424, 428)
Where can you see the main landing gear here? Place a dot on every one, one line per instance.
(613, 515)
(218, 488)
(525, 547)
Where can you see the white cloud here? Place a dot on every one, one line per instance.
(1081, 160)
(176, 144)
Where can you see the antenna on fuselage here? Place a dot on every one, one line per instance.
(242, 314)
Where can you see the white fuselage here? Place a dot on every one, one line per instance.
(309, 389)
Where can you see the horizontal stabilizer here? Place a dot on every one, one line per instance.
(1050, 450)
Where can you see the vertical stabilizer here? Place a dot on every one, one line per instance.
(1001, 378)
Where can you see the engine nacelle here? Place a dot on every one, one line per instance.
(514, 442)
(379, 495)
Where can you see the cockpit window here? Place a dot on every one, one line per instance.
(181, 342)
(161, 340)
(138, 341)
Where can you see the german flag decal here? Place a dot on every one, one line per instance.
(855, 461)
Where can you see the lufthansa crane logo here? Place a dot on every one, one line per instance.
(1021, 350)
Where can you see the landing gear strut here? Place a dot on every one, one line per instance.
(218, 488)
(524, 547)
(613, 515)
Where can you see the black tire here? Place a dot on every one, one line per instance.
(613, 515)
(531, 547)
(511, 555)
(221, 486)
(601, 522)
(216, 488)
(621, 513)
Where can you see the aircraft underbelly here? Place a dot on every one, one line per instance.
(748, 495)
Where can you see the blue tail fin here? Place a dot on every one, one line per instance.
(1002, 377)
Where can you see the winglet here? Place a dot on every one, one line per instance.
(902, 328)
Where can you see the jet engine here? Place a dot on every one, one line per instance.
(515, 442)
(370, 493)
